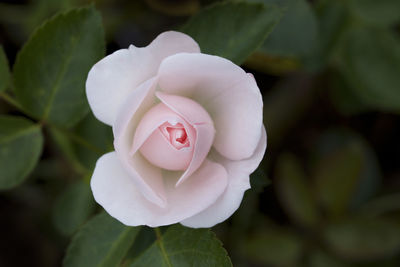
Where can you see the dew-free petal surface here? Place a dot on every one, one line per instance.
(227, 92)
(111, 79)
(123, 200)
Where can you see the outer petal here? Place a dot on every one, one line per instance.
(123, 200)
(229, 202)
(146, 177)
(230, 96)
(115, 76)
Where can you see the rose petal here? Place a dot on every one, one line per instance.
(123, 200)
(200, 120)
(229, 202)
(190, 110)
(229, 94)
(160, 153)
(155, 117)
(136, 104)
(204, 139)
(152, 143)
(115, 76)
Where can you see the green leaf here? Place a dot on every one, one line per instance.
(372, 70)
(346, 171)
(98, 140)
(272, 246)
(21, 144)
(232, 29)
(65, 145)
(296, 35)
(181, 246)
(73, 207)
(143, 241)
(51, 69)
(294, 191)
(85, 143)
(363, 238)
(101, 242)
(4, 70)
(333, 20)
(382, 12)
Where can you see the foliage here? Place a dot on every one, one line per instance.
(329, 72)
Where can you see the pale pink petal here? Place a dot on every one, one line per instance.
(228, 93)
(155, 117)
(146, 177)
(204, 139)
(198, 117)
(124, 201)
(154, 146)
(238, 183)
(134, 107)
(190, 110)
(111, 79)
(160, 153)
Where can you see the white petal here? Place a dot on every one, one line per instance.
(145, 176)
(229, 94)
(229, 202)
(114, 189)
(115, 76)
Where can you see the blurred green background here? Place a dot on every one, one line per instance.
(328, 191)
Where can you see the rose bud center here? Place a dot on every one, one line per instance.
(175, 134)
(168, 138)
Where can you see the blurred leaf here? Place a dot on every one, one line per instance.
(285, 105)
(322, 259)
(333, 20)
(51, 69)
(103, 241)
(73, 207)
(370, 62)
(294, 191)
(382, 12)
(343, 98)
(4, 70)
(40, 10)
(181, 246)
(270, 64)
(272, 246)
(347, 173)
(232, 30)
(21, 144)
(336, 177)
(296, 35)
(382, 205)
(175, 8)
(363, 238)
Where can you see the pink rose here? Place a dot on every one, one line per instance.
(188, 132)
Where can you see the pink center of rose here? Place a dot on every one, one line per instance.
(175, 134)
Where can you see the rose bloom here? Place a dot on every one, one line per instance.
(187, 131)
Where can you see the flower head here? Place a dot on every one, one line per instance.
(187, 133)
